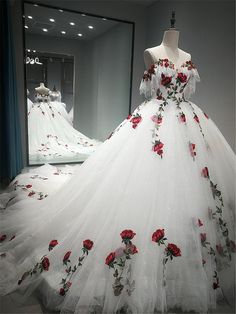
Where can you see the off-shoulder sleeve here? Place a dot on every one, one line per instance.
(191, 86)
(149, 82)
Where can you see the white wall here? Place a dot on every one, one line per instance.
(207, 32)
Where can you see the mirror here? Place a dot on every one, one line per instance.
(78, 71)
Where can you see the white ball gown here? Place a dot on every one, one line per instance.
(51, 135)
(146, 225)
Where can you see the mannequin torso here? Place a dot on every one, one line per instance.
(167, 49)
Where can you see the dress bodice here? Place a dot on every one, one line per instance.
(164, 81)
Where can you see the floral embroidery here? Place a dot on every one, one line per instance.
(70, 270)
(196, 118)
(182, 117)
(205, 172)
(192, 148)
(31, 192)
(171, 250)
(157, 148)
(157, 119)
(181, 78)
(165, 80)
(136, 119)
(118, 259)
(43, 265)
(206, 115)
(3, 237)
(52, 244)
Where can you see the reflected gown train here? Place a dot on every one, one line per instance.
(145, 225)
(51, 135)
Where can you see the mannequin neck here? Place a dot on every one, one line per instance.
(171, 39)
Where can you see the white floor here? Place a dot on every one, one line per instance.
(11, 304)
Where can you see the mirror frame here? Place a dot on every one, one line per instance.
(25, 80)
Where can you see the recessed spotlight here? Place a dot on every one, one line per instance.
(26, 26)
(34, 50)
(23, 16)
(60, 10)
(72, 23)
(104, 19)
(44, 30)
(63, 32)
(30, 17)
(35, 5)
(90, 27)
(28, 50)
(80, 35)
(83, 14)
(51, 20)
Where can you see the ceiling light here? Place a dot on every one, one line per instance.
(51, 20)
(34, 50)
(72, 23)
(83, 14)
(90, 27)
(28, 50)
(26, 26)
(80, 35)
(104, 19)
(44, 30)
(35, 5)
(63, 32)
(23, 16)
(60, 10)
(30, 17)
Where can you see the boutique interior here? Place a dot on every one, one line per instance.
(71, 73)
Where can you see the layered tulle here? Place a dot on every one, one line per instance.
(166, 169)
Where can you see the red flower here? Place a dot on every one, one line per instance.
(88, 244)
(129, 116)
(206, 115)
(157, 119)
(110, 258)
(131, 249)
(3, 237)
(200, 223)
(127, 234)
(165, 80)
(52, 244)
(146, 76)
(196, 118)
(136, 119)
(205, 172)
(183, 118)
(66, 256)
(68, 284)
(158, 148)
(203, 237)
(62, 291)
(45, 263)
(31, 193)
(28, 186)
(134, 126)
(182, 77)
(192, 147)
(158, 235)
(173, 249)
(151, 70)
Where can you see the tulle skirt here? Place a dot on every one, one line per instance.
(175, 203)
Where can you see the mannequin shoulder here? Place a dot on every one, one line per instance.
(150, 56)
(184, 55)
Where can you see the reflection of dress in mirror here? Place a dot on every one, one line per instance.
(29, 102)
(55, 102)
(51, 136)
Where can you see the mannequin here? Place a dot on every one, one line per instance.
(167, 49)
(42, 89)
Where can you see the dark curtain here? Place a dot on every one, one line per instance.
(10, 137)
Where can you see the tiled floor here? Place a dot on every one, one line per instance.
(11, 304)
